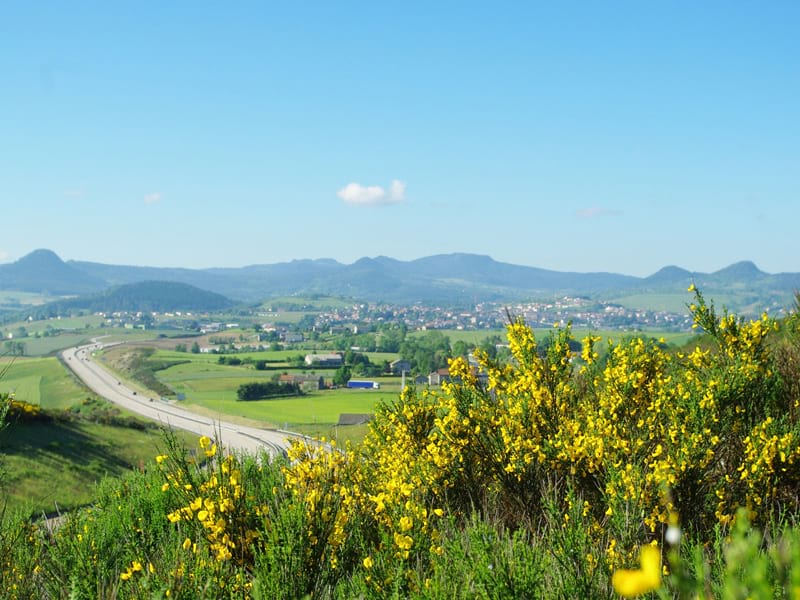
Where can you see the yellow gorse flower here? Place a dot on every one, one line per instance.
(635, 582)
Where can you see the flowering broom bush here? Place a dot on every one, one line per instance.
(632, 439)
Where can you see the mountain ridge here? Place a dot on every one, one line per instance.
(430, 279)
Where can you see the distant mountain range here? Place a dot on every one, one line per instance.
(443, 279)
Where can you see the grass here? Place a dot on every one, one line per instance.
(674, 338)
(42, 381)
(323, 407)
(44, 346)
(57, 464)
(284, 316)
(340, 434)
(675, 303)
(276, 356)
(469, 336)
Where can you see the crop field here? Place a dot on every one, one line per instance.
(41, 381)
(43, 346)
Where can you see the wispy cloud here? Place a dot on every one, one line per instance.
(596, 212)
(4, 256)
(373, 195)
(75, 193)
(152, 198)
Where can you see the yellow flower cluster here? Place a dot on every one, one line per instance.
(214, 503)
(643, 432)
(19, 410)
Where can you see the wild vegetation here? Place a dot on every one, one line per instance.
(554, 474)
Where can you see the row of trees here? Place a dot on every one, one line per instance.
(195, 348)
(260, 390)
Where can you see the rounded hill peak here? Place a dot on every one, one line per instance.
(42, 256)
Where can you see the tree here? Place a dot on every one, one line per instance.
(180, 347)
(195, 348)
(342, 375)
(259, 390)
(298, 361)
(489, 345)
(461, 348)
(15, 348)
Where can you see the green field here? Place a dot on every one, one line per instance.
(43, 346)
(15, 300)
(213, 388)
(675, 303)
(55, 466)
(283, 316)
(42, 381)
(673, 338)
(312, 303)
(469, 336)
(323, 407)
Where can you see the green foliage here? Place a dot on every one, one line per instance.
(342, 375)
(427, 352)
(260, 390)
(14, 347)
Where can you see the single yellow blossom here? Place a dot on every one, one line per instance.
(635, 582)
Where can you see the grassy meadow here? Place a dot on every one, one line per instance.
(212, 387)
(55, 465)
(41, 381)
(57, 460)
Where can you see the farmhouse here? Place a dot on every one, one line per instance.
(399, 366)
(323, 360)
(439, 376)
(306, 382)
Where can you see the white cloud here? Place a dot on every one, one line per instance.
(373, 195)
(152, 197)
(4, 256)
(595, 212)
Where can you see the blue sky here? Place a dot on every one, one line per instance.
(585, 136)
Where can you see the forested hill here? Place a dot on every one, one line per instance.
(146, 296)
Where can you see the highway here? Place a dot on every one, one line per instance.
(235, 437)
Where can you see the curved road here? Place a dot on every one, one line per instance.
(235, 437)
